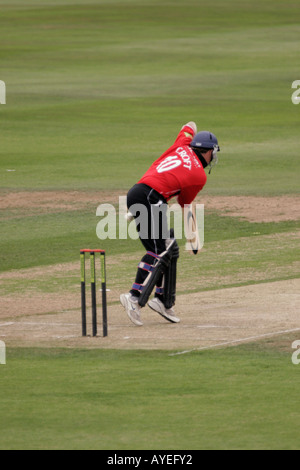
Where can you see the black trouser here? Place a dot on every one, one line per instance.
(149, 209)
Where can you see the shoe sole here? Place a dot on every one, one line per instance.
(124, 302)
(170, 319)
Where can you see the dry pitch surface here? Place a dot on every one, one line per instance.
(33, 317)
(208, 319)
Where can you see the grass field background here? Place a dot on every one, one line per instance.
(147, 400)
(95, 91)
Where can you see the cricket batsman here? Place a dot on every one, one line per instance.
(179, 172)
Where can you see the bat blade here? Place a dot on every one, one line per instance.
(191, 229)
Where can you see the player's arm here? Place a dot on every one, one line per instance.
(192, 126)
(186, 134)
(187, 195)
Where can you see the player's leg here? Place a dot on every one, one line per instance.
(157, 262)
(149, 210)
(165, 301)
(170, 277)
(155, 273)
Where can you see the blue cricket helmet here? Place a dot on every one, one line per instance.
(205, 140)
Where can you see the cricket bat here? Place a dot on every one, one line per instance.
(193, 244)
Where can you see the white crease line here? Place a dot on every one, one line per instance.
(204, 327)
(250, 338)
(65, 337)
(38, 323)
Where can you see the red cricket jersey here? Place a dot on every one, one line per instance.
(178, 171)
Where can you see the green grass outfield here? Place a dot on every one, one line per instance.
(239, 398)
(95, 91)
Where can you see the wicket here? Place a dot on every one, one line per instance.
(93, 291)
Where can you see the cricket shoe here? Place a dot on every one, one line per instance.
(133, 310)
(167, 313)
